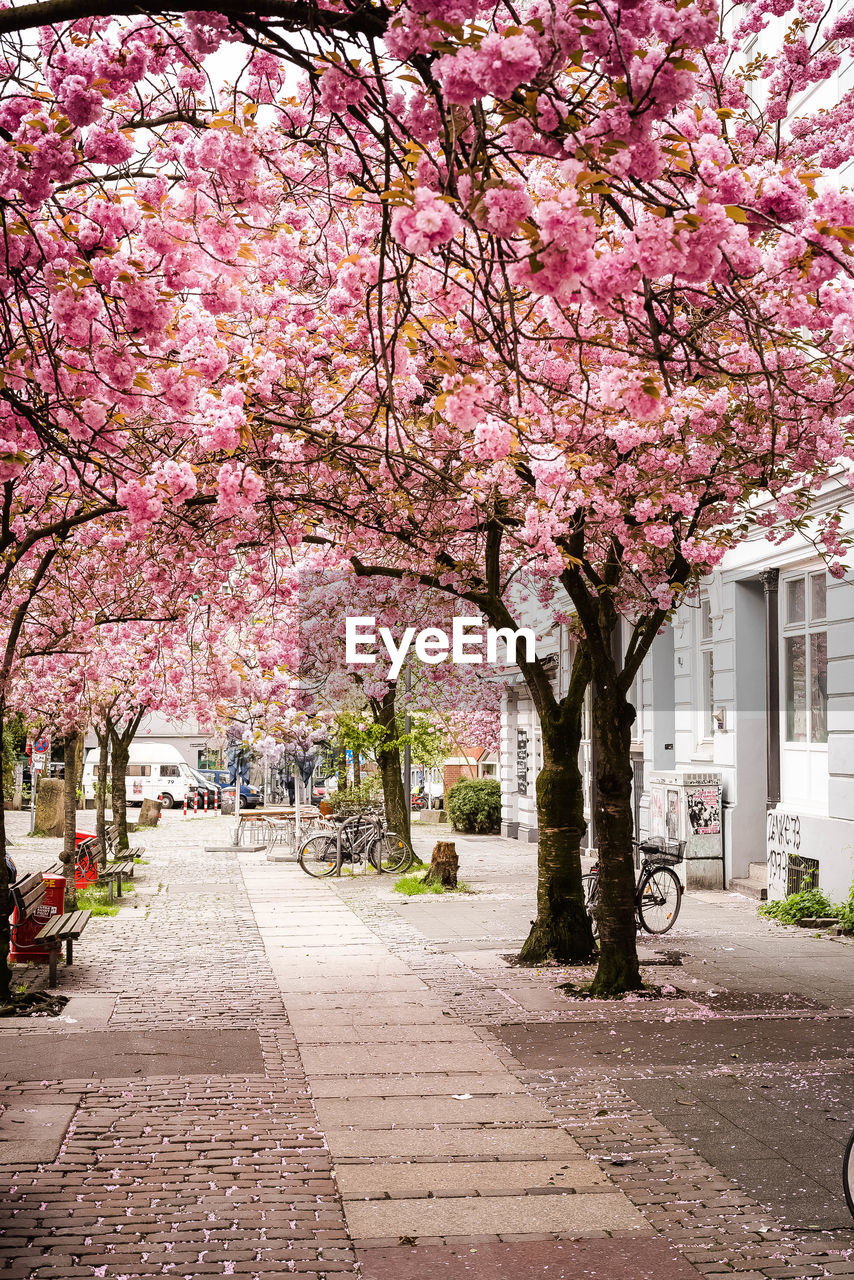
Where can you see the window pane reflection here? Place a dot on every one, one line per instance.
(796, 688)
(795, 601)
(818, 686)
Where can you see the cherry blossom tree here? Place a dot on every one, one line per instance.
(549, 294)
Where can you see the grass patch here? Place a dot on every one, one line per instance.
(141, 862)
(97, 900)
(415, 884)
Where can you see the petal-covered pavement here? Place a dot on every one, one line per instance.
(259, 1074)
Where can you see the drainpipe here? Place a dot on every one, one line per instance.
(771, 584)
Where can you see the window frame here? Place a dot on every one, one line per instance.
(804, 629)
(705, 651)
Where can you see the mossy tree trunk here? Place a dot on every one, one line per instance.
(389, 762)
(121, 736)
(101, 790)
(618, 969)
(562, 929)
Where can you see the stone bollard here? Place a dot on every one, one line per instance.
(50, 807)
(149, 813)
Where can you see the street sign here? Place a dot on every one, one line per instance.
(41, 746)
(39, 759)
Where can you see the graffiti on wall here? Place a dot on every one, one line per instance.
(782, 843)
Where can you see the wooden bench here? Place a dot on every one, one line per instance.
(88, 858)
(27, 895)
(114, 854)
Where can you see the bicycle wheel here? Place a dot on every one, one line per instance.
(391, 853)
(659, 898)
(318, 856)
(590, 883)
(848, 1174)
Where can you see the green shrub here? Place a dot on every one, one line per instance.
(474, 804)
(800, 906)
(846, 912)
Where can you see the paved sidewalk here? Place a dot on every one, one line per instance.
(260, 1075)
(193, 1148)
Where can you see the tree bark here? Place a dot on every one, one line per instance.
(69, 843)
(121, 754)
(613, 716)
(562, 930)
(357, 769)
(5, 896)
(342, 768)
(388, 759)
(101, 791)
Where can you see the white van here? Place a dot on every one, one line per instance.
(155, 769)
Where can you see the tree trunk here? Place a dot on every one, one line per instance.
(562, 930)
(342, 768)
(388, 759)
(69, 843)
(613, 716)
(121, 754)
(357, 769)
(101, 791)
(5, 897)
(444, 865)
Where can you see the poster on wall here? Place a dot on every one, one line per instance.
(672, 814)
(704, 810)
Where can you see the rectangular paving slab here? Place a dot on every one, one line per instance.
(411, 1084)
(580, 1214)
(527, 1144)
(333, 1060)
(395, 1033)
(32, 1132)
(369, 1181)
(386, 1113)
(119, 1054)
(643, 1258)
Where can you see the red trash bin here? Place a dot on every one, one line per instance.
(53, 904)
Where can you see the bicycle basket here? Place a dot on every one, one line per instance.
(661, 852)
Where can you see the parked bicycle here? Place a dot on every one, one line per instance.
(848, 1174)
(658, 889)
(362, 840)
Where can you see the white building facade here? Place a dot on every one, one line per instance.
(751, 690)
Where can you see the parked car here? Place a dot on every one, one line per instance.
(202, 787)
(250, 797)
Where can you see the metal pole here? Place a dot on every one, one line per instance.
(34, 782)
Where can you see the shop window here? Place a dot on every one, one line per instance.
(805, 658)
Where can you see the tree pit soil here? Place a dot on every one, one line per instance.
(34, 1004)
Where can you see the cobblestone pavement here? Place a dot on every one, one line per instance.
(194, 1148)
(260, 1075)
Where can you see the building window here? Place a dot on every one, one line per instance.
(805, 658)
(210, 759)
(707, 669)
